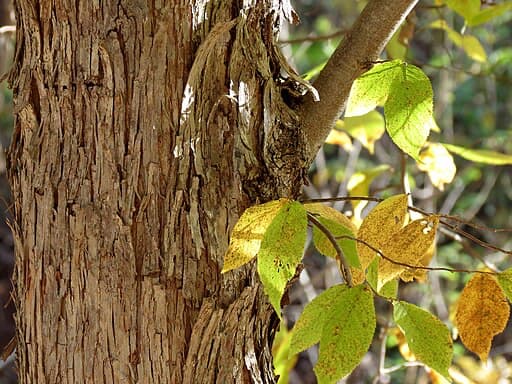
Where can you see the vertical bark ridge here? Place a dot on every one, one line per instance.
(143, 131)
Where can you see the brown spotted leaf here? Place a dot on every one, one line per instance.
(482, 313)
(387, 218)
(406, 248)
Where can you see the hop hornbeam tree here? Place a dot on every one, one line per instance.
(160, 147)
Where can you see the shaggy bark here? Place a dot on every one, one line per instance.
(143, 130)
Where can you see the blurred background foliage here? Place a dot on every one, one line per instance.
(470, 68)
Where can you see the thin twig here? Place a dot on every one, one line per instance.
(452, 270)
(340, 256)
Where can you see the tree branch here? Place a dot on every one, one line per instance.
(361, 46)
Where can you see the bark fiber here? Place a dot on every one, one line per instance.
(143, 129)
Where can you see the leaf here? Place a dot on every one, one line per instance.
(428, 338)
(371, 89)
(482, 312)
(382, 222)
(366, 128)
(480, 155)
(468, 43)
(466, 8)
(490, 13)
(346, 334)
(248, 232)
(281, 250)
(406, 246)
(409, 109)
(390, 289)
(339, 225)
(505, 282)
(339, 138)
(280, 351)
(407, 96)
(308, 328)
(419, 274)
(438, 163)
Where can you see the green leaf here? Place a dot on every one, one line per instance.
(480, 155)
(280, 350)
(371, 89)
(308, 328)
(248, 232)
(346, 334)
(281, 250)
(466, 8)
(505, 282)
(409, 110)
(428, 338)
(339, 225)
(407, 96)
(390, 289)
(489, 13)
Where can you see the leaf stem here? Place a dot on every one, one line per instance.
(340, 256)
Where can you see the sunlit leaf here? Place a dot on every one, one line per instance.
(248, 232)
(281, 250)
(438, 163)
(371, 89)
(359, 185)
(407, 96)
(466, 8)
(367, 128)
(482, 313)
(480, 155)
(339, 225)
(395, 48)
(505, 282)
(387, 218)
(346, 334)
(308, 328)
(409, 109)
(428, 338)
(406, 247)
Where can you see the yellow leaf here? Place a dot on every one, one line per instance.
(340, 138)
(381, 223)
(438, 163)
(473, 48)
(482, 312)
(248, 232)
(407, 246)
(419, 274)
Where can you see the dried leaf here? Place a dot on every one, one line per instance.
(482, 313)
(382, 222)
(407, 246)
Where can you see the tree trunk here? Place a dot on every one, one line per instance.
(143, 130)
